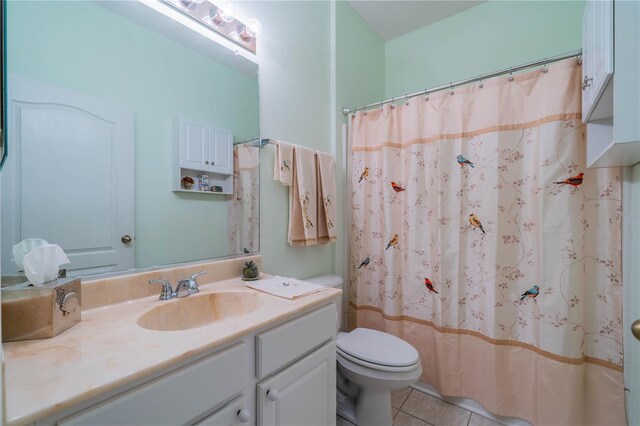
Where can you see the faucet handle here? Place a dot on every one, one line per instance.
(193, 282)
(167, 291)
(195, 276)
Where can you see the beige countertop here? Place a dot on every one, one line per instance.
(108, 349)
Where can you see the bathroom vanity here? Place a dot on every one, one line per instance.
(228, 355)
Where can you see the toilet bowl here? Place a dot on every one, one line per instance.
(370, 365)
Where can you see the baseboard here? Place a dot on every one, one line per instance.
(470, 405)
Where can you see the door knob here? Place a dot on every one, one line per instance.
(635, 329)
(273, 395)
(126, 239)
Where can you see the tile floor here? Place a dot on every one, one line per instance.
(414, 408)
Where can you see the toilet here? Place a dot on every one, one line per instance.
(371, 364)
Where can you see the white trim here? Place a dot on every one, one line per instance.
(469, 405)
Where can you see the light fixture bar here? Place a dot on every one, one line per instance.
(216, 17)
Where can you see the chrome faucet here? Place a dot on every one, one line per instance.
(184, 288)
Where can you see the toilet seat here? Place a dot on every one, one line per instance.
(377, 350)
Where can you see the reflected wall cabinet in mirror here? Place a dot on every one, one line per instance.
(91, 113)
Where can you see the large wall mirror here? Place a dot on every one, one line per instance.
(99, 103)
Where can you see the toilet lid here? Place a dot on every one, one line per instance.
(377, 347)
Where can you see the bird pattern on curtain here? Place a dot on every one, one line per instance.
(476, 220)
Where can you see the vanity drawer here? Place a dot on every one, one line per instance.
(176, 398)
(234, 413)
(290, 341)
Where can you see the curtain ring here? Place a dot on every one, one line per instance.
(451, 91)
(510, 74)
(481, 85)
(382, 104)
(406, 99)
(544, 68)
(426, 95)
(393, 105)
(579, 59)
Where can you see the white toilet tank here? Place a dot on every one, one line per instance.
(334, 281)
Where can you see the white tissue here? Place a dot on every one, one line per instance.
(42, 264)
(24, 247)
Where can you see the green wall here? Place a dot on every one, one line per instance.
(359, 64)
(485, 38)
(294, 54)
(84, 47)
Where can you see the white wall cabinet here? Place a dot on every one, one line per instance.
(201, 148)
(224, 388)
(611, 66)
(597, 59)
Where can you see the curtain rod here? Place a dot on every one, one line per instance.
(458, 83)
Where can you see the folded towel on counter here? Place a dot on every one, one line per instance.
(303, 212)
(289, 288)
(326, 177)
(283, 167)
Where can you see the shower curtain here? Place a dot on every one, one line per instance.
(480, 237)
(243, 205)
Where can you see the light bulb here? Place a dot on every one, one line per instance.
(224, 13)
(251, 30)
(188, 3)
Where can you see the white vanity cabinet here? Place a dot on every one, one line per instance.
(199, 148)
(304, 392)
(296, 384)
(610, 85)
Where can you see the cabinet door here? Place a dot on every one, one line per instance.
(194, 146)
(302, 394)
(221, 151)
(597, 66)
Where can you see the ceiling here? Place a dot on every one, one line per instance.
(393, 18)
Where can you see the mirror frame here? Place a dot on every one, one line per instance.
(3, 89)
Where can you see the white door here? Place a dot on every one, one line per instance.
(631, 289)
(69, 178)
(303, 394)
(221, 150)
(194, 144)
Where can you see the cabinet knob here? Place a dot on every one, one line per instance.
(273, 395)
(206, 162)
(244, 415)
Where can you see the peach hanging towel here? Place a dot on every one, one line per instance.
(283, 167)
(303, 212)
(326, 170)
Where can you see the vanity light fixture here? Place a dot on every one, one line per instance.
(219, 16)
(251, 30)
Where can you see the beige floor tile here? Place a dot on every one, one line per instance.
(478, 420)
(403, 419)
(435, 411)
(399, 397)
(343, 422)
